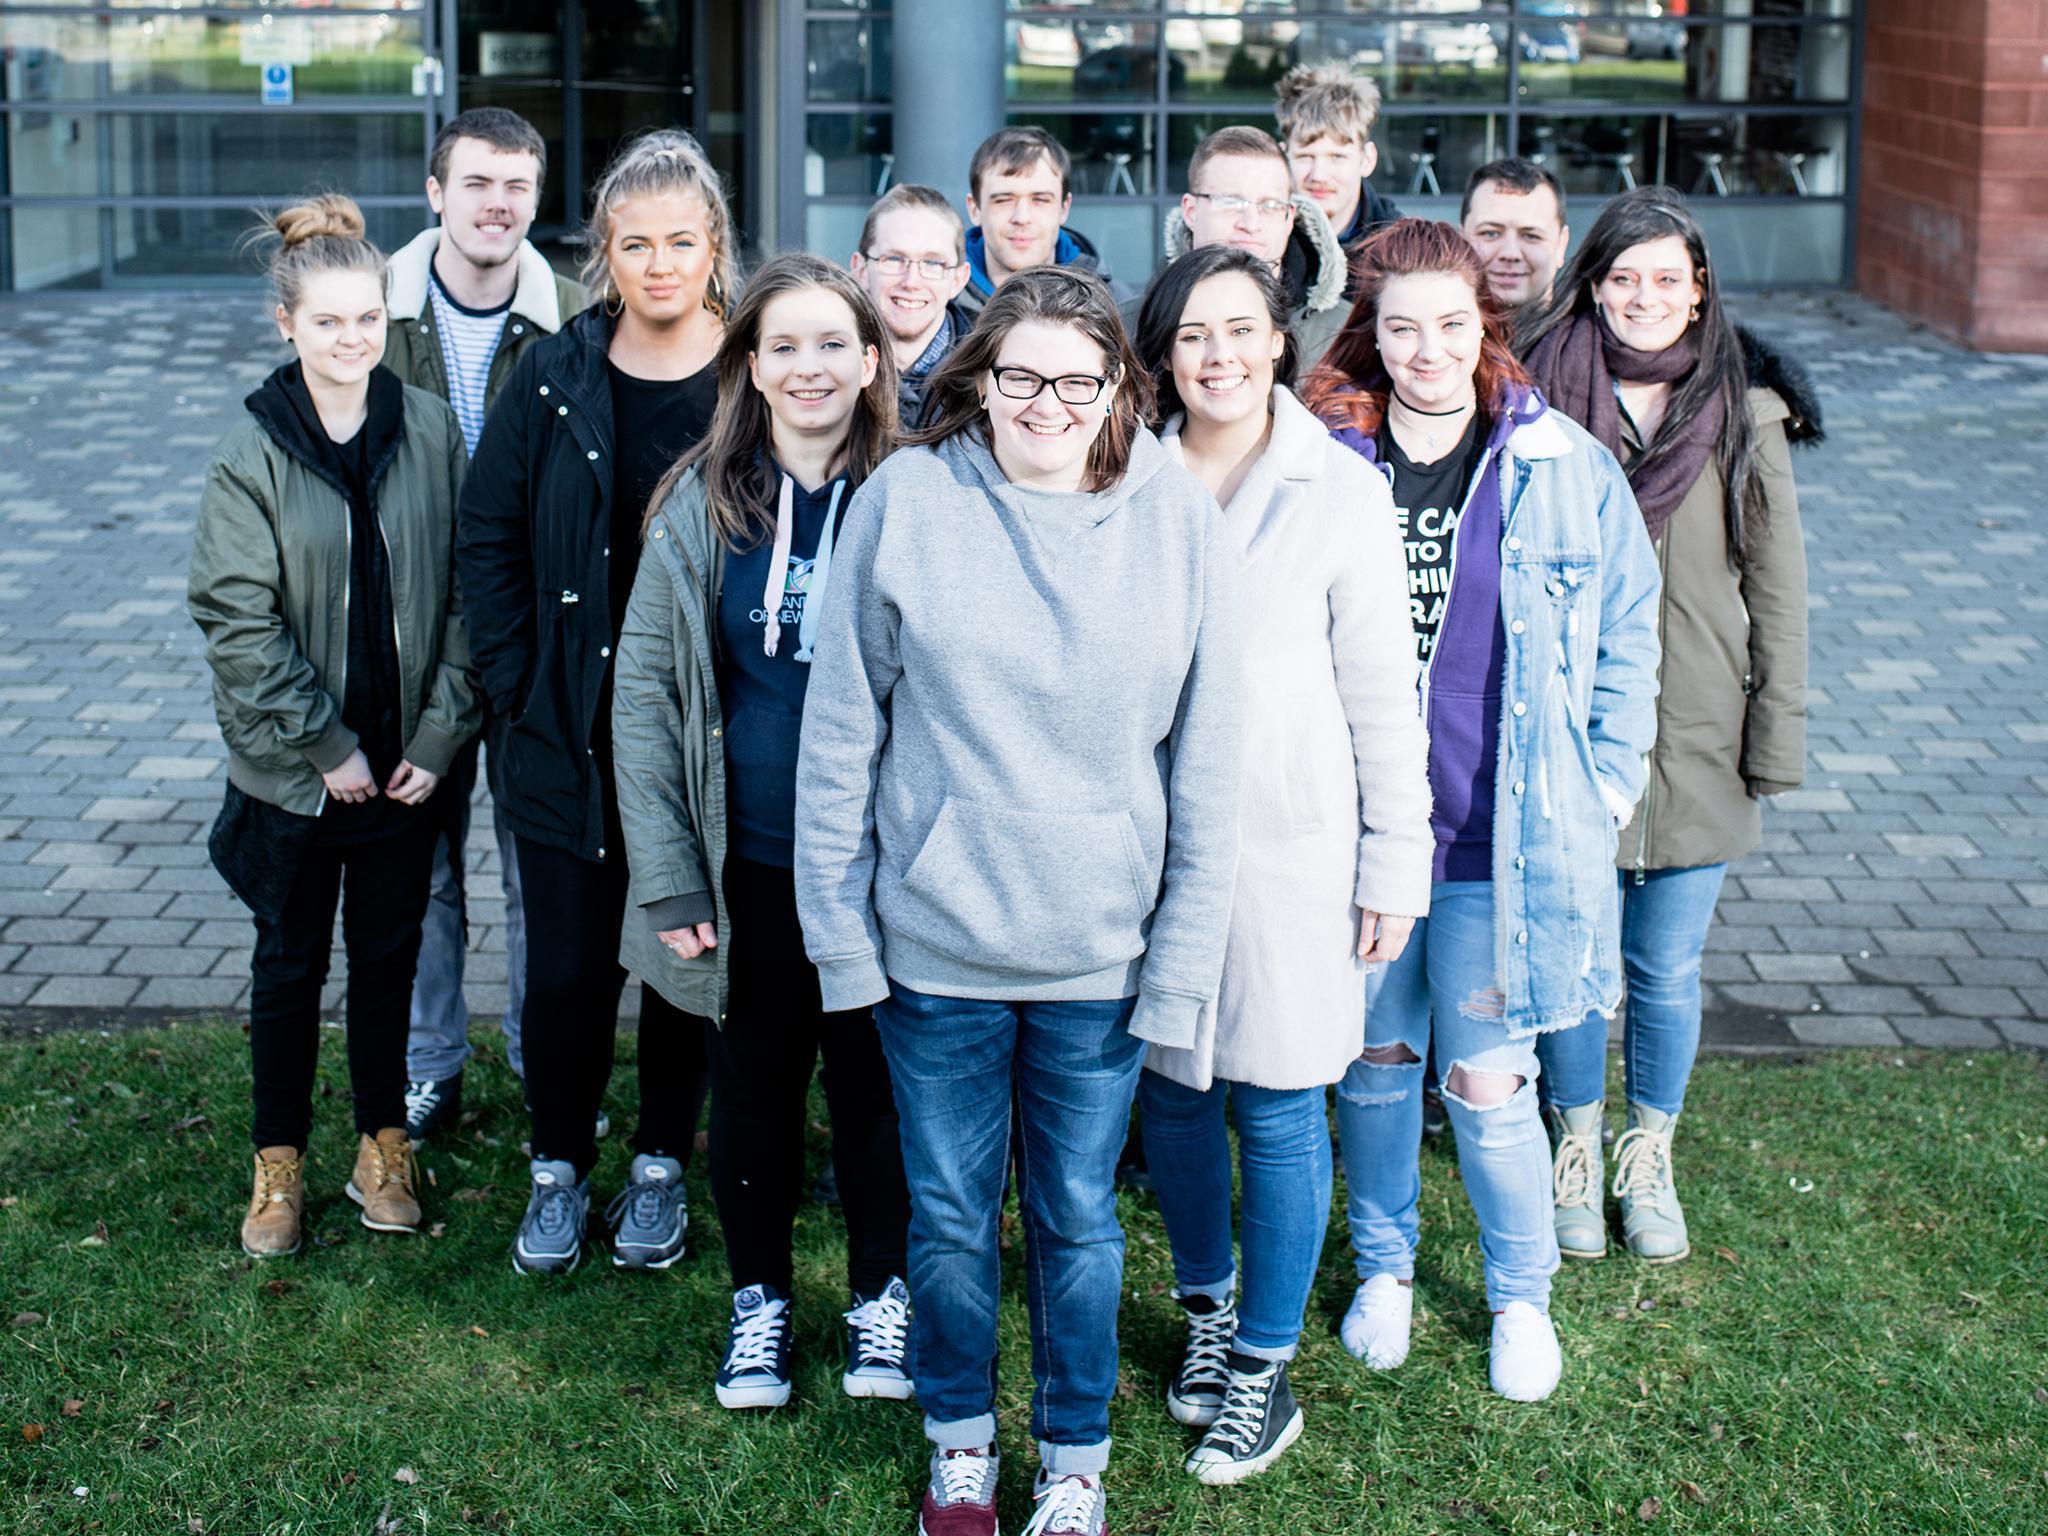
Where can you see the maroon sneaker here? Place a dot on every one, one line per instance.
(1067, 1506)
(962, 1498)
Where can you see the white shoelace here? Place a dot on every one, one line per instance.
(1209, 1336)
(1642, 1164)
(418, 1098)
(1244, 1410)
(963, 1479)
(1068, 1507)
(884, 1323)
(755, 1338)
(1571, 1177)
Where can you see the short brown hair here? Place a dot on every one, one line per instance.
(1016, 149)
(909, 194)
(1241, 140)
(1315, 99)
(500, 127)
(1051, 296)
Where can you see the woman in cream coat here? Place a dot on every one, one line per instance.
(1334, 864)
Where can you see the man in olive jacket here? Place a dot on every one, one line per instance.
(466, 299)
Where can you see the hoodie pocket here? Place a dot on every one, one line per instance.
(1038, 894)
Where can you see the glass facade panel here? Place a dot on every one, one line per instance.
(96, 248)
(847, 61)
(82, 58)
(1113, 152)
(1732, 156)
(846, 154)
(1731, 63)
(1051, 59)
(1126, 234)
(1433, 60)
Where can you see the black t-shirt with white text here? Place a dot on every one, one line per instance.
(1428, 501)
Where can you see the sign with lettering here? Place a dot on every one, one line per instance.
(277, 85)
(518, 53)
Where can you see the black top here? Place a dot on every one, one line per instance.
(1429, 499)
(654, 423)
(372, 704)
(762, 695)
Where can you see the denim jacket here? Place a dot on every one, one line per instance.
(1578, 600)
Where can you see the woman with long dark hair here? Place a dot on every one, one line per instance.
(1016, 827)
(1533, 595)
(713, 665)
(322, 576)
(548, 545)
(1638, 347)
(1333, 854)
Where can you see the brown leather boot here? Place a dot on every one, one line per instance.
(276, 1205)
(384, 1181)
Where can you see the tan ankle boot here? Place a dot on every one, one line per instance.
(385, 1180)
(276, 1205)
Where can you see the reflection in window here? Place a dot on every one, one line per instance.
(847, 61)
(1048, 59)
(848, 154)
(1732, 156)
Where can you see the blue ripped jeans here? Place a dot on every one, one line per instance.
(1445, 986)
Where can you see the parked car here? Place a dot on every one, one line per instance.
(1549, 33)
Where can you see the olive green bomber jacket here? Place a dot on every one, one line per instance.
(268, 583)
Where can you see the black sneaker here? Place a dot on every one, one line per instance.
(550, 1240)
(1196, 1396)
(431, 1104)
(1260, 1419)
(877, 1337)
(756, 1369)
(1435, 1119)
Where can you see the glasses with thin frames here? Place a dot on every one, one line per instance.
(1068, 388)
(1232, 204)
(928, 267)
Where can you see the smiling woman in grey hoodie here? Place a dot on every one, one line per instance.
(1017, 833)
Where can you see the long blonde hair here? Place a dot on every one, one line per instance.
(661, 162)
(731, 456)
(322, 234)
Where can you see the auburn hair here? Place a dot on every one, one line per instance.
(1349, 388)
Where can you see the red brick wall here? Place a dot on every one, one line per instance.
(1952, 208)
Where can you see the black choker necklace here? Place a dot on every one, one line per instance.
(1416, 410)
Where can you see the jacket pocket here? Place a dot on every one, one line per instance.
(1035, 893)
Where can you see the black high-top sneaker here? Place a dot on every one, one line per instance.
(1258, 1421)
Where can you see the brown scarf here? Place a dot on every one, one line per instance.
(1576, 365)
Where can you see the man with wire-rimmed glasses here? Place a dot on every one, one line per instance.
(913, 263)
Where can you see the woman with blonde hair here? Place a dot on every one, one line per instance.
(547, 549)
(322, 577)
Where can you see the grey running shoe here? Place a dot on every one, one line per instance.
(650, 1215)
(550, 1240)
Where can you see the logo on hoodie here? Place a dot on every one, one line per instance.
(795, 588)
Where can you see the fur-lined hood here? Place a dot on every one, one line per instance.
(1314, 264)
(537, 298)
(1789, 381)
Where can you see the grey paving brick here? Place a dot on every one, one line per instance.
(159, 931)
(161, 960)
(1893, 1002)
(191, 992)
(1973, 1034)
(49, 930)
(1842, 1029)
(65, 960)
(86, 992)
(1979, 1002)
(1801, 968)
(2025, 1032)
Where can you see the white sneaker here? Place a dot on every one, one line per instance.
(1526, 1360)
(1376, 1328)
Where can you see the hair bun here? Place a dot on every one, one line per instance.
(330, 215)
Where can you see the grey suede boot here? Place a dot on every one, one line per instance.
(1651, 1218)
(1575, 1171)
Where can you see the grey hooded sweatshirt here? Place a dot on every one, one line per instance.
(1019, 771)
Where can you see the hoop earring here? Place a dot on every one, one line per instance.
(714, 297)
(605, 300)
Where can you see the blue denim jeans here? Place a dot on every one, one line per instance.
(1283, 1148)
(958, 1065)
(438, 1045)
(1445, 985)
(1663, 930)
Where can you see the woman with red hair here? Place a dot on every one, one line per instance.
(1532, 588)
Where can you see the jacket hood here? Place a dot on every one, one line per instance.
(1072, 249)
(533, 300)
(1789, 380)
(1314, 264)
(1374, 213)
(970, 458)
(1295, 449)
(284, 409)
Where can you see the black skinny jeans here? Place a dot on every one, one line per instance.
(761, 1064)
(573, 911)
(382, 887)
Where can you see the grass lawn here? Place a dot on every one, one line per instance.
(1859, 1343)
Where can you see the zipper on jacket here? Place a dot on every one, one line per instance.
(397, 645)
(348, 564)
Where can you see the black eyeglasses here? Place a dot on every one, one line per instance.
(1068, 388)
(928, 266)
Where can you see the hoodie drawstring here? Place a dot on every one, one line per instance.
(779, 566)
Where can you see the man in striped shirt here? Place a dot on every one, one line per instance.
(467, 297)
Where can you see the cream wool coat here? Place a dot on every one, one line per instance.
(1335, 802)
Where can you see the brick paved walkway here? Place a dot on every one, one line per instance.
(1901, 896)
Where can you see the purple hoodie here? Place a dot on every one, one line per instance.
(1461, 687)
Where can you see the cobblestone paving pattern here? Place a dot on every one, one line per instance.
(1901, 896)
